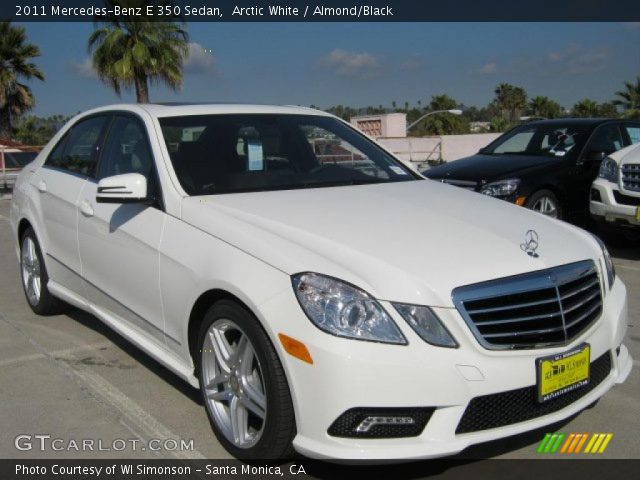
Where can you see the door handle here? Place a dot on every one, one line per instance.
(41, 186)
(85, 208)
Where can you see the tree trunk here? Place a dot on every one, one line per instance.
(142, 88)
(6, 132)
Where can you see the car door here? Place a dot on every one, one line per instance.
(119, 242)
(59, 182)
(604, 140)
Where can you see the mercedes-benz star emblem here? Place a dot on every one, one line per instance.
(530, 244)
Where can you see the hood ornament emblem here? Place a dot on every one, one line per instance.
(530, 244)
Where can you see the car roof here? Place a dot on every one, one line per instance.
(587, 122)
(184, 109)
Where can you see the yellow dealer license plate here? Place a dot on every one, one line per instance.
(638, 214)
(564, 372)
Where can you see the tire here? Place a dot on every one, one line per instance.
(33, 273)
(254, 392)
(545, 202)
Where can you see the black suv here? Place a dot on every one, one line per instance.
(546, 165)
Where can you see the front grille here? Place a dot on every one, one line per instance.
(533, 310)
(468, 184)
(630, 176)
(626, 199)
(516, 406)
(346, 425)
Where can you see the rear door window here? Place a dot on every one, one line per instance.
(77, 152)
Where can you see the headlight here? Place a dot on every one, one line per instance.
(608, 263)
(501, 188)
(426, 324)
(344, 310)
(609, 170)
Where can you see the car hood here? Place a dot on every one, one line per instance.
(410, 242)
(489, 167)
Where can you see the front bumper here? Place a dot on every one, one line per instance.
(605, 209)
(350, 374)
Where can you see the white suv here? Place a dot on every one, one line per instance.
(615, 194)
(322, 296)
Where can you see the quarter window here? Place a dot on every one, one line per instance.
(634, 134)
(77, 152)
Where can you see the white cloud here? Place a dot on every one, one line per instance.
(84, 68)
(199, 59)
(489, 68)
(576, 60)
(351, 64)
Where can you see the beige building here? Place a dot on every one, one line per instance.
(389, 125)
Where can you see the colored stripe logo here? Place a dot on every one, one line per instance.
(574, 443)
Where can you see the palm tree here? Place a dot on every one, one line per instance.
(130, 51)
(629, 99)
(16, 98)
(586, 108)
(510, 100)
(542, 106)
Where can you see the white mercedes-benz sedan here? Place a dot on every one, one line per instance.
(322, 296)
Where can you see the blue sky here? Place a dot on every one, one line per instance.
(358, 64)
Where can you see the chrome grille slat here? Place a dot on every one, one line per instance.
(533, 310)
(518, 319)
(511, 307)
(523, 333)
(583, 316)
(581, 303)
(580, 289)
(630, 176)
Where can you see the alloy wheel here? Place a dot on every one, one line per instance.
(31, 272)
(233, 383)
(546, 206)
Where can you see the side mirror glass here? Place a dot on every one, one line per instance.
(125, 188)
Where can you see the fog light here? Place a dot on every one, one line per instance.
(595, 195)
(372, 422)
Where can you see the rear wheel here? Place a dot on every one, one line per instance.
(243, 385)
(35, 277)
(546, 203)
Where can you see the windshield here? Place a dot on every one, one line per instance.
(213, 154)
(543, 140)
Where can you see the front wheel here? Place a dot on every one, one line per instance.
(35, 277)
(243, 385)
(546, 203)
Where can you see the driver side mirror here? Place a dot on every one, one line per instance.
(125, 188)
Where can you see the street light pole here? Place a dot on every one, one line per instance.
(454, 111)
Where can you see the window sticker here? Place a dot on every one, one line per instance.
(254, 155)
(397, 170)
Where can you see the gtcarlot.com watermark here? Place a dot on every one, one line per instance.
(48, 443)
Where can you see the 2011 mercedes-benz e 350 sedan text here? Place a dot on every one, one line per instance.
(322, 296)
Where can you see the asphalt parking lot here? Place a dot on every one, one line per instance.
(70, 377)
